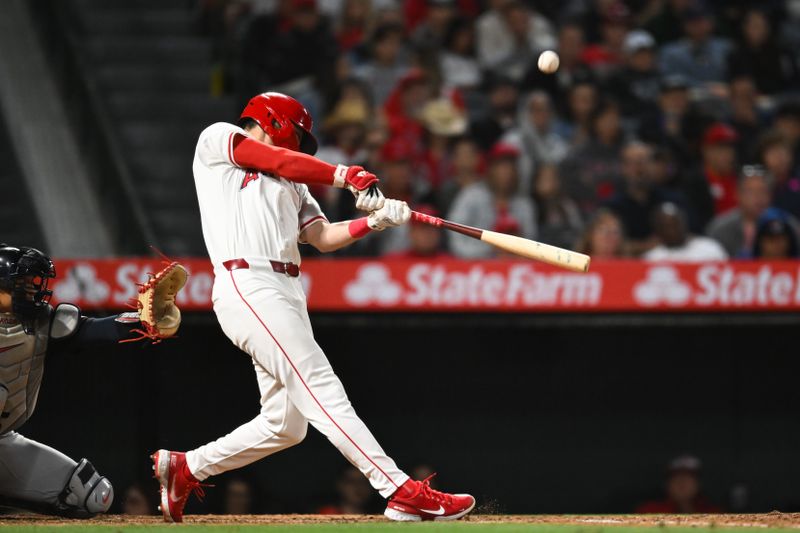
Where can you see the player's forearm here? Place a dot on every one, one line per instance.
(94, 331)
(288, 164)
(110, 330)
(332, 237)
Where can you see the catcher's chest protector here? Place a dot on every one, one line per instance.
(21, 369)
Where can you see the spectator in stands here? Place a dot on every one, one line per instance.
(664, 173)
(607, 55)
(591, 171)
(238, 499)
(637, 86)
(683, 492)
(223, 22)
(759, 56)
(790, 25)
(493, 204)
(429, 35)
(604, 237)
(664, 20)
(404, 107)
(571, 68)
(559, 219)
(345, 128)
(457, 60)
(675, 243)
(387, 64)
(787, 121)
(443, 122)
(535, 137)
(351, 88)
(137, 501)
(667, 125)
(388, 13)
(353, 495)
(416, 11)
(700, 57)
(302, 52)
(712, 191)
(582, 100)
(776, 236)
(745, 117)
(466, 170)
(503, 95)
(397, 170)
(638, 197)
(353, 23)
(735, 229)
(424, 240)
(775, 153)
(510, 37)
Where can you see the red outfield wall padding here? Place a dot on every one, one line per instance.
(483, 286)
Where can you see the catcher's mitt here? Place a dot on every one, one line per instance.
(159, 315)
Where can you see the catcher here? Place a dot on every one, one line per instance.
(33, 476)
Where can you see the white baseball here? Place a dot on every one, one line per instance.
(548, 62)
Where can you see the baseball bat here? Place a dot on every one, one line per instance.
(540, 251)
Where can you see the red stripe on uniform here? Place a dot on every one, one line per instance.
(230, 148)
(306, 223)
(306, 385)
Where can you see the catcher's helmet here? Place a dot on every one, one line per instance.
(25, 273)
(282, 117)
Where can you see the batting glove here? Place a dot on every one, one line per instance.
(363, 185)
(393, 213)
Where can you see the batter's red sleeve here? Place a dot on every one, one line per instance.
(294, 166)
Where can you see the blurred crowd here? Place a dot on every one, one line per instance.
(671, 130)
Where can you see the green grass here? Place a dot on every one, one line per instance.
(457, 527)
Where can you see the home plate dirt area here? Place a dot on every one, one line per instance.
(534, 523)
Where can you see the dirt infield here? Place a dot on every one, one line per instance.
(774, 519)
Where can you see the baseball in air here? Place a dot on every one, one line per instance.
(548, 62)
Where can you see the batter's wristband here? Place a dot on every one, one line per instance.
(358, 228)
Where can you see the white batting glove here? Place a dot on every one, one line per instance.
(369, 199)
(393, 213)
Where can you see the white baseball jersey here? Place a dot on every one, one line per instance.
(246, 213)
(251, 215)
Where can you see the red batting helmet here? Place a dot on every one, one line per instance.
(281, 117)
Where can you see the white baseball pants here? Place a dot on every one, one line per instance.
(264, 313)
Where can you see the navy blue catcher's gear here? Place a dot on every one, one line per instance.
(26, 272)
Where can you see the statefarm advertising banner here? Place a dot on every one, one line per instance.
(470, 286)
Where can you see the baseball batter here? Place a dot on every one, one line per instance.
(255, 207)
(34, 476)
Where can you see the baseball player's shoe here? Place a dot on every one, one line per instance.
(177, 483)
(416, 501)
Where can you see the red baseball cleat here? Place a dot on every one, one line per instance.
(416, 501)
(177, 483)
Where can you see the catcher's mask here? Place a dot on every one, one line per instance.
(25, 273)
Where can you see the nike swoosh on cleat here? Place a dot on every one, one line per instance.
(172, 497)
(440, 511)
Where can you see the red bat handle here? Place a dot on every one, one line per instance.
(416, 216)
(469, 231)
